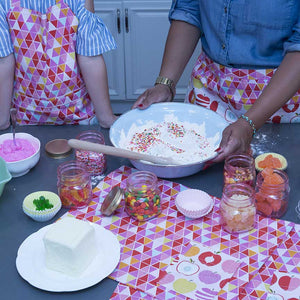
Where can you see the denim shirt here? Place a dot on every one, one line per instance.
(250, 34)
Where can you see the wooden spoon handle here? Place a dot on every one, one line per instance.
(110, 150)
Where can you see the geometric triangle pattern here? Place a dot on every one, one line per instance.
(148, 248)
(123, 292)
(285, 258)
(48, 86)
(231, 92)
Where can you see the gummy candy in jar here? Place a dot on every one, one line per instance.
(142, 197)
(95, 162)
(237, 208)
(239, 168)
(272, 192)
(74, 184)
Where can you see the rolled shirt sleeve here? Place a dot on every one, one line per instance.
(93, 37)
(293, 43)
(6, 46)
(187, 11)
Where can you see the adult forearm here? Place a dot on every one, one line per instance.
(283, 85)
(180, 45)
(7, 67)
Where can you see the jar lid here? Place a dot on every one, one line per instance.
(112, 201)
(58, 148)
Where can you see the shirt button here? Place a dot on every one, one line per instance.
(223, 46)
(225, 9)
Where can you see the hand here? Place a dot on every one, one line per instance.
(158, 93)
(236, 138)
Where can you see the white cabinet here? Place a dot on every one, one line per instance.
(140, 29)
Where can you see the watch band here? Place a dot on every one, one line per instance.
(168, 82)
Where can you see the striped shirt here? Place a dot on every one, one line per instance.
(93, 37)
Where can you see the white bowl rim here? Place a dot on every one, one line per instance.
(171, 104)
(26, 135)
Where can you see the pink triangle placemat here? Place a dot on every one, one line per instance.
(148, 248)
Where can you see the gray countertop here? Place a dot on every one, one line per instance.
(15, 226)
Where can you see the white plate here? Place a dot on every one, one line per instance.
(31, 266)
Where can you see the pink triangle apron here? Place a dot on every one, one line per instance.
(231, 92)
(48, 86)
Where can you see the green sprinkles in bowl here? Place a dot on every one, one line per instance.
(42, 203)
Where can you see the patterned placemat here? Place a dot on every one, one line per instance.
(148, 248)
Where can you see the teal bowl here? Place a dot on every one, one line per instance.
(5, 176)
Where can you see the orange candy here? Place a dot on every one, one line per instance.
(270, 161)
(269, 197)
(270, 177)
(264, 208)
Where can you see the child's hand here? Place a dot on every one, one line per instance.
(107, 121)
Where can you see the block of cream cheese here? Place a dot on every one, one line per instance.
(70, 246)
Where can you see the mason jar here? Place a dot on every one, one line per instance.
(239, 168)
(237, 208)
(142, 197)
(74, 184)
(95, 162)
(272, 193)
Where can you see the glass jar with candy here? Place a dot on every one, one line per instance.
(142, 197)
(239, 168)
(95, 162)
(237, 208)
(272, 192)
(74, 184)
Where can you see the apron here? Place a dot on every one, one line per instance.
(49, 89)
(231, 92)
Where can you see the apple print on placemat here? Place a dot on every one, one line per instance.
(200, 272)
(284, 286)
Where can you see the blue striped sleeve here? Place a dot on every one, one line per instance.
(93, 37)
(6, 47)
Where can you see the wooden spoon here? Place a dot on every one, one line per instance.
(110, 150)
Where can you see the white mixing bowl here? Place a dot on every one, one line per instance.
(184, 112)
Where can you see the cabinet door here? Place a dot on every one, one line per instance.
(146, 29)
(112, 15)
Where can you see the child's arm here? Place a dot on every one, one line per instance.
(93, 70)
(89, 5)
(7, 68)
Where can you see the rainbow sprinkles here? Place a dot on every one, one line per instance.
(186, 142)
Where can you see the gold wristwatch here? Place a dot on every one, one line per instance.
(168, 82)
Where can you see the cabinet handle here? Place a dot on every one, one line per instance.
(119, 20)
(126, 20)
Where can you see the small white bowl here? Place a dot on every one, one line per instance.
(261, 157)
(45, 215)
(22, 167)
(194, 203)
